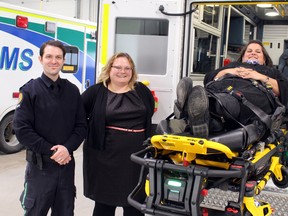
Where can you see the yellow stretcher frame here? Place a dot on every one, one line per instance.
(185, 150)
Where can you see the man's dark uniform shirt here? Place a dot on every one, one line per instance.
(49, 115)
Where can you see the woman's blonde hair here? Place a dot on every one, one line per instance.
(105, 72)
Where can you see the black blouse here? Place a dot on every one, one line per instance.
(125, 110)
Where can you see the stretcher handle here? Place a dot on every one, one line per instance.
(138, 158)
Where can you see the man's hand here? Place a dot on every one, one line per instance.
(60, 155)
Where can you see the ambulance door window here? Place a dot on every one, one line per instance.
(144, 39)
(249, 31)
(204, 52)
(211, 15)
(71, 60)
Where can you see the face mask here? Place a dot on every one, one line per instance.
(252, 61)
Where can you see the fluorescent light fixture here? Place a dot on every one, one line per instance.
(272, 13)
(264, 5)
(209, 5)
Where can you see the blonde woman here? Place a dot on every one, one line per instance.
(119, 111)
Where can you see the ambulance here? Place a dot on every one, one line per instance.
(22, 31)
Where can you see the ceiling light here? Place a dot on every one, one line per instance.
(264, 5)
(272, 13)
(209, 5)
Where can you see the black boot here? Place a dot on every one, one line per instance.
(198, 112)
(183, 91)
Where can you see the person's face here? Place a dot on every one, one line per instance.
(254, 52)
(121, 71)
(52, 61)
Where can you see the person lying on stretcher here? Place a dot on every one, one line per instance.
(248, 91)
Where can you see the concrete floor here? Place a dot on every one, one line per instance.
(12, 169)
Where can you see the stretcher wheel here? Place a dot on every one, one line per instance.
(284, 182)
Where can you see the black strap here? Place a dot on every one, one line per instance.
(227, 113)
(224, 109)
(34, 158)
(267, 89)
(39, 161)
(264, 117)
(170, 116)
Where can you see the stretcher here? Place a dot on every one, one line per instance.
(179, 171)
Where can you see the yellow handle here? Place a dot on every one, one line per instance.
(146, 82)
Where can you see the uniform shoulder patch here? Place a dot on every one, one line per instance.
(20, 97)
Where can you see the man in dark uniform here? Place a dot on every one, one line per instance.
(50, 122)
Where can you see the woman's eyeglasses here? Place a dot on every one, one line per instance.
(119, 68)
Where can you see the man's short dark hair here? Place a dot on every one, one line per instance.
(52, 43)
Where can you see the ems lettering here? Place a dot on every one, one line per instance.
(15, 59)
(27, 62)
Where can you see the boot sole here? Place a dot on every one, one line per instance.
(198, 112)
(183, 91)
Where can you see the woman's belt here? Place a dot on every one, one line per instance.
(126, 129)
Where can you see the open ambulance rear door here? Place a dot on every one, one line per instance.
(153, 40)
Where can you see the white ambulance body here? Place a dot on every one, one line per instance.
(22, 31)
